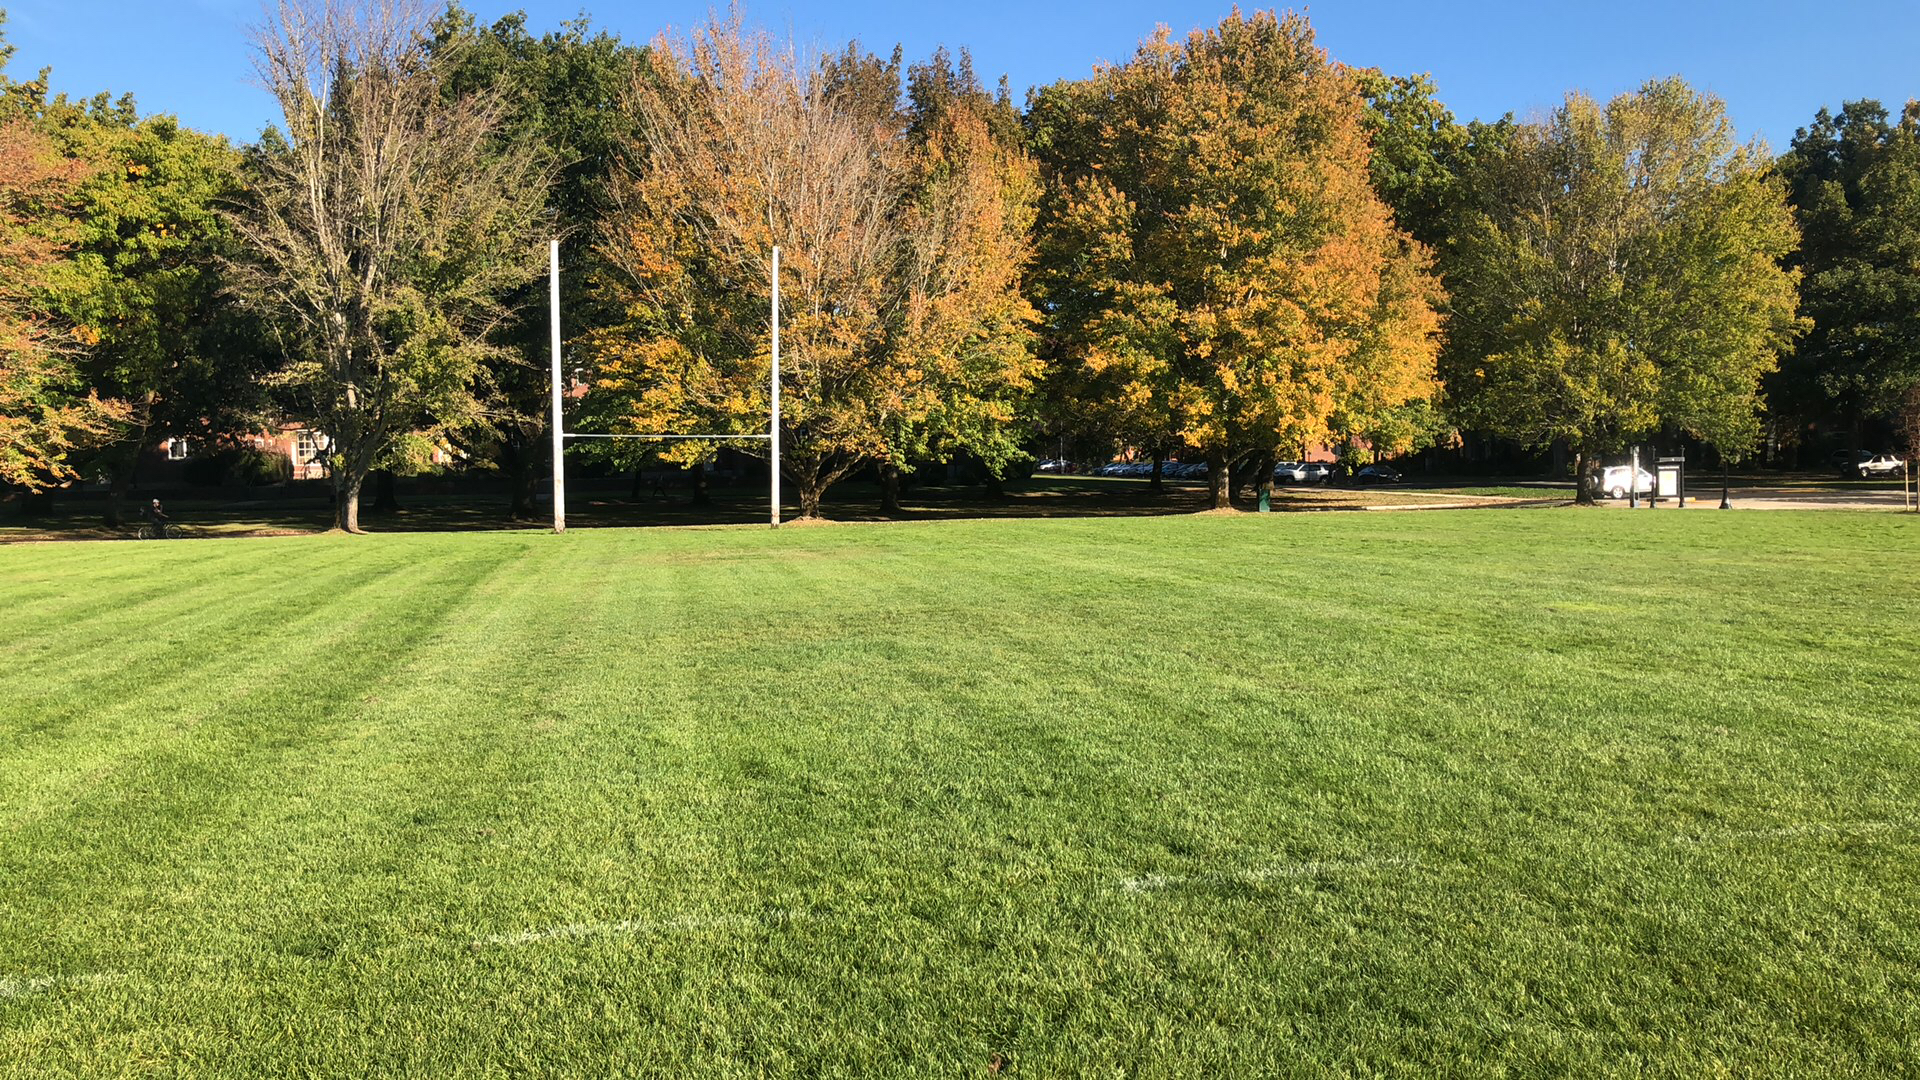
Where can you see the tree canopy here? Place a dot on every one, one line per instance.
(903, 230)
(385, 229)
(1854, 179)
(1227, 246)
(560, 91)
(1618, 273)
(1218, 271)
(46, 411)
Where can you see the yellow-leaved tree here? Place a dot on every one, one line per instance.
(903, 232)
(1217, 270)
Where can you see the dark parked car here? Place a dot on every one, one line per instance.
(1377, 474)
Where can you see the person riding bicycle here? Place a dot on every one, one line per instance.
(157, 517)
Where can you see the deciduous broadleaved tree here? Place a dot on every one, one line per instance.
(1215, 259)
(146, 278)
(903, 331)
(1854, 180)
(1619, 272)
(385, 228)
(561, 91)
(46, 412)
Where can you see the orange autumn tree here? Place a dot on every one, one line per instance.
(903, 235)
(44, 413)
(1216, 266)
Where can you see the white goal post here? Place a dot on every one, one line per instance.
(561, 434)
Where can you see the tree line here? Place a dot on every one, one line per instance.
(1227, 247)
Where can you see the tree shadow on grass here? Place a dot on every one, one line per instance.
(594, 504)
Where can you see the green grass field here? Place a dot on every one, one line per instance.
(1482, 793)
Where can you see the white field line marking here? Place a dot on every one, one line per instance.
(640, 927)
(1313, 868)
(18, 986)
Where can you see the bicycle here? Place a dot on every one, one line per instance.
(150, 531)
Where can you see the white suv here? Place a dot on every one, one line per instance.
(1868, 466)
(1613, 481)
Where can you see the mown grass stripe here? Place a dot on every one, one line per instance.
(1414, 794)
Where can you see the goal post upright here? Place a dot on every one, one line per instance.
(773, 387)
(561, 434)
(559, 431)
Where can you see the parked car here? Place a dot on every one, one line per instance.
(1613, 481)
(1056, 465)
(1377, 474)
(1874, 466)
(1290, 472)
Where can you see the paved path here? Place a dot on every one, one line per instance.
(1788, 499)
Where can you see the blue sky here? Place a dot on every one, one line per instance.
(1774, 62)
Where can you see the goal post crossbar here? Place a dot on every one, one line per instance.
(716, 438)
(561, 435)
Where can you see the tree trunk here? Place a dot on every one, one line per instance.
(1263, 483)
(384, 499)
(889, 488)
(996, 484)
(1220, 481)
(1156, 485)
(346, 503)
(522, 508)
(639, 477)
(701, 497)
(1583, 491)
(119, 477)
(521, 479)
(810, 491)
(1242, 472)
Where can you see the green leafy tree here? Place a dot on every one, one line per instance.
(46, 410)
(48, 413)
(1854, 180)
(562, 91)
(146, 280)
(386, 231)
(1419, 150)
(1619, 272)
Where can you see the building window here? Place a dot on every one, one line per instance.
(176, 449)
(307, 447)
